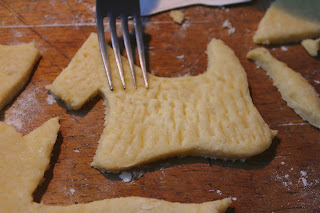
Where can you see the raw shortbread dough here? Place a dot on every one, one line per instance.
(294, 89)
(209, 115)
(24, 159)
(16, 64)
(289, 21)
(177, 16)
(311, 46)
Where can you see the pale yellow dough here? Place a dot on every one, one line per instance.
(16, 64)
(209, 115)
(23, 161)
(177, 16)
(294, 89)
(289, 21)
(311, 46)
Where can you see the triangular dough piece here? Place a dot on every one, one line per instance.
(294, 89)
(289, 21)
(23, 161)
(311, 46)
(209, 115)
(16, 64)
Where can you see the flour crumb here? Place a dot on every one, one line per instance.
(242, 160)
(303, 179)
(23, 107)
(234, 198)
(76, 150)
(185, 25)
(283, 48)
(316, 81)
(18, 34)
(219, 192)
(125, 177)
(51, 100)
(303, 173)
(227, 24)
(285, 180)
(72, 191)
(180, 57)
(231, 30)
(282, 163)
(92, 8)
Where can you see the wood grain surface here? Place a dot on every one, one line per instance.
(285, 178)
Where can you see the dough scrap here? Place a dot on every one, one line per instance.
(294, 89)
(24, 159)
(16, 64)
(210, 115)
(289, 21)
(177, 16)
(311, 46)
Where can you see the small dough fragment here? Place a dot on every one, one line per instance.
(16, 65)
(24, 160)
(311, 46)
(294, 89)
(210, 115)
(177, 16)
(289, 21)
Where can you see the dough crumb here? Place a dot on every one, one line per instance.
(177, 16)
(311, 46)
(283, 48)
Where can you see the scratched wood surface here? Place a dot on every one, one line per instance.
(285, 178)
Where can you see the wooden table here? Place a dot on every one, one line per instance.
(285, 178)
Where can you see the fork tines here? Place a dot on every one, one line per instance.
(123, 9)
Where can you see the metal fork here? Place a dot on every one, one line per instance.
(123, 9)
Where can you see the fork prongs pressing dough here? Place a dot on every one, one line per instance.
(122, 9)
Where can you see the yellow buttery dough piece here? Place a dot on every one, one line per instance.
(289, 21)
(311, 46)
(294, 89)
(16, 64)
(24, 159)
(177, 16)
(209, 115)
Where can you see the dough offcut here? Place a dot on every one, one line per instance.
(210, 115)
(24, 159)
(294, 89)
(16, 64)
(289, 21)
